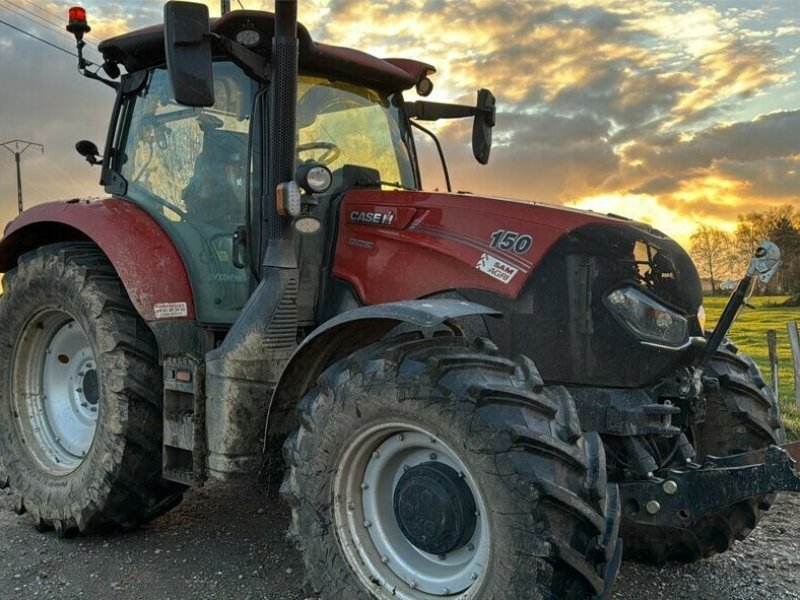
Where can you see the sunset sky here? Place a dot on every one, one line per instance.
(675, 113)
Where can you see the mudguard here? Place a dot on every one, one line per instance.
(349, 331)
(149, 265)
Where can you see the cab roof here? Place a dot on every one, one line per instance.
(144, 48)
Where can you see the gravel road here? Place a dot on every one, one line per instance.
(228, 542)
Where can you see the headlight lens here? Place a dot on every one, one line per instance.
(646, 318)
(701, 317)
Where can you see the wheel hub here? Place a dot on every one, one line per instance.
(435, 508)
(57, 391)
(409, 515)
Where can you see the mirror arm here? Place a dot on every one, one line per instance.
(254, 65)
(439, 148)
(433, 111)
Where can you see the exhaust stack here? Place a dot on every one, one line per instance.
(283, 106)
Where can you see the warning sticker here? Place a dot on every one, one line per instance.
(170, 310)
(496, 268)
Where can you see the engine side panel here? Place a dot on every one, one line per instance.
(394, 246)
(149, 265)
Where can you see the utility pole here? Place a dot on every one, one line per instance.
(17, 152)
(226, 7)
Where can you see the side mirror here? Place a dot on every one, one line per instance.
(89, 151)
(187, 45)
(482, 126)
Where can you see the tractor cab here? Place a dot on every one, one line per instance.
(200, 171)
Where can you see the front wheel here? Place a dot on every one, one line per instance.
(431, 468)
(80, 395)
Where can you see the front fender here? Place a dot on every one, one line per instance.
(348, 332)
(146, 260)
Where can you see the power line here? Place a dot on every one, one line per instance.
(45, 24)
(44, 8)
(36, 37)
(30, 12)
(42, 22)
(57, 16)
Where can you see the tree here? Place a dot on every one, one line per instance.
(711, 250)
(782, 226)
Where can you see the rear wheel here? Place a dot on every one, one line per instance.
(743, 415)
(430, 468)
(80, 395)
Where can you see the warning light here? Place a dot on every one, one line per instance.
(77, 13)
(77, 22)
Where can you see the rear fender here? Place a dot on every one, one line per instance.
(148, 264)
(346, 333)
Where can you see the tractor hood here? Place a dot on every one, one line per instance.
(550, 270)
(431, 242)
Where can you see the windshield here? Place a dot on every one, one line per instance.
(344, 124)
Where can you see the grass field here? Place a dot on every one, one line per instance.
(749, 333)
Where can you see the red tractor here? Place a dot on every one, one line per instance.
(473, 397)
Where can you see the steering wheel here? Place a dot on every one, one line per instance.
(332, 151)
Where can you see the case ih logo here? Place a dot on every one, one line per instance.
(371, 218)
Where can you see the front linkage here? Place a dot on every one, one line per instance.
(685, 495)
(688, 494)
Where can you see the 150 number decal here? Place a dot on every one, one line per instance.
(511, 241)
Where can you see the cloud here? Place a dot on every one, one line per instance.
(684, 106)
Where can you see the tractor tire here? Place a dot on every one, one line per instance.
(425, 468)
(80, 396)
(743, 415)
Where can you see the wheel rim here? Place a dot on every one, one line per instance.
(369, 530)
(56, 391)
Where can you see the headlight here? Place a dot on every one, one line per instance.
(648, 320)
(701, 317)
(314, 178)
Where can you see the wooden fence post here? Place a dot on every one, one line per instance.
(772, 344)
(794, 340)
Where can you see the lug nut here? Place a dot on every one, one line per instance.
(384, 559)
(670, 487)
(367, 524)
(376, 455)
(473, 576)
(413, 585)
(364, 485)
(432, 456)
(653, 507)
(470, 546)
